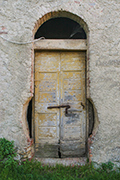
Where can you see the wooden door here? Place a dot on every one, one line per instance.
(60, 80)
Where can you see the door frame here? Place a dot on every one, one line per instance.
(62, 45)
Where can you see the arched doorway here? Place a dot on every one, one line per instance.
(60, 89)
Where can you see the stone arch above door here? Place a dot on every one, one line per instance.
(56, 14)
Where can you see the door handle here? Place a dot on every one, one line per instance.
(60, 106)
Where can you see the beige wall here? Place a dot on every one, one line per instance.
(17, 22)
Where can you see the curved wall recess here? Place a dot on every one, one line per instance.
(29, 117)
(92, 117)
(25, 123)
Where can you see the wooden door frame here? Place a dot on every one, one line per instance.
(63, 45)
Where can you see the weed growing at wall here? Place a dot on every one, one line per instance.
(7, 153)
(6, 149)
(107, 167)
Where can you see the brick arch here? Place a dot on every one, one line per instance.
(56, 14)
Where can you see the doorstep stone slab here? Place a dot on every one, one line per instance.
(64, 161)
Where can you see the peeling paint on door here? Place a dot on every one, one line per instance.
(59, 80)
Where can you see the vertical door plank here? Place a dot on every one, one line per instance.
(47, 66)
(72, 140)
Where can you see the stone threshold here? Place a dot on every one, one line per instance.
(64, 161)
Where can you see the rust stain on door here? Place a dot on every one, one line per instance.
(59, 80)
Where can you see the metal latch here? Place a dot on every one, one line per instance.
(83, 105)
(60, 106)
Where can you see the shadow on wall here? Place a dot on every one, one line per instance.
(29, 118)
(93, 118)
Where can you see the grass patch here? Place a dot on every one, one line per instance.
(35, 171)
(11, 169)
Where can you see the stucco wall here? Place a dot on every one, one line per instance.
(17, 22)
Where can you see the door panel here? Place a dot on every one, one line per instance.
(59, 80)
(47, 67)
(72, 140)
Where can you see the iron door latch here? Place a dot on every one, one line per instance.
(60, 106)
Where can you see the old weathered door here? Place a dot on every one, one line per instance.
(60, 83)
